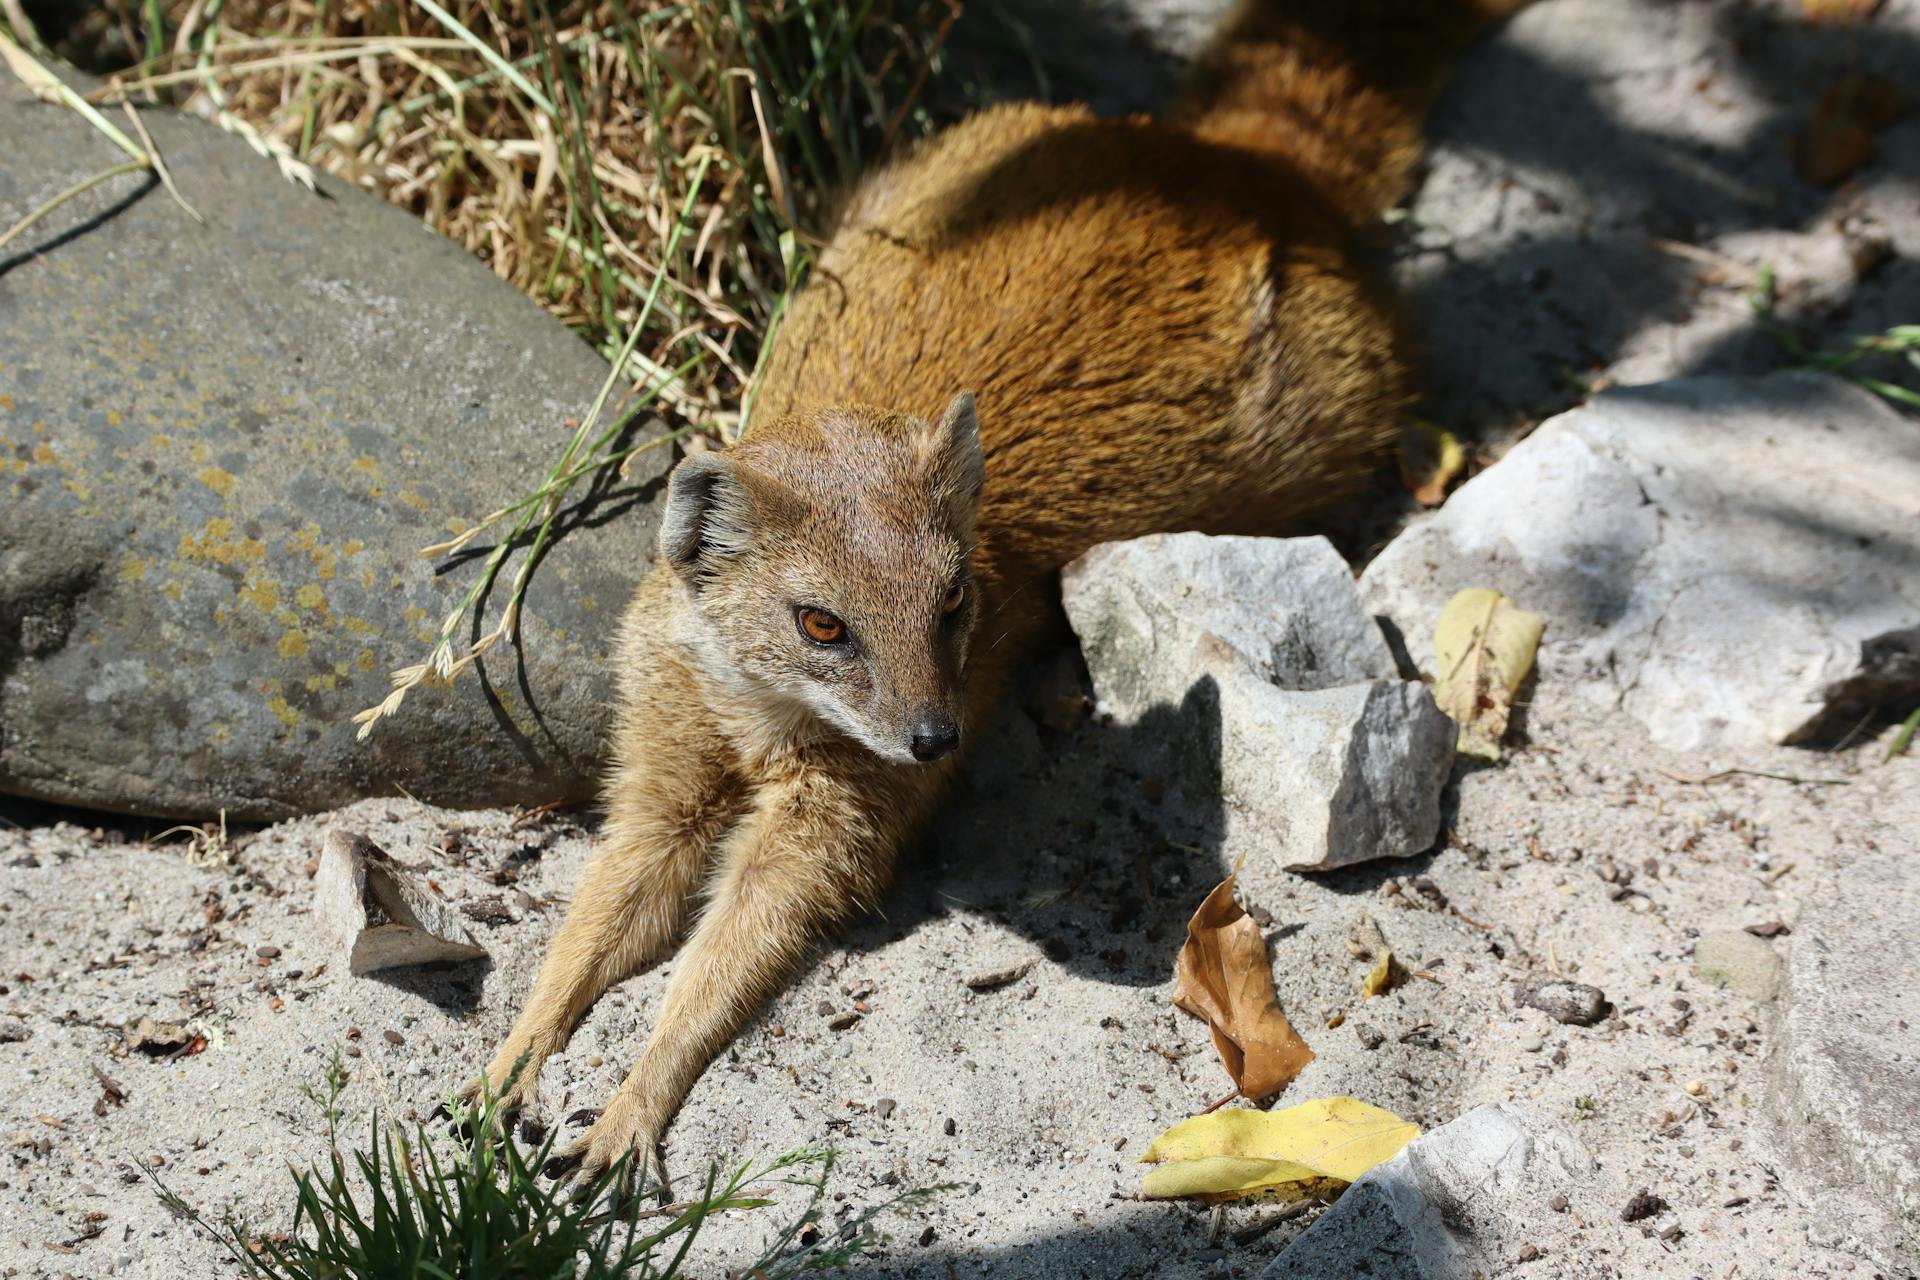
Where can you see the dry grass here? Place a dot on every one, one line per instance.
(558, 139)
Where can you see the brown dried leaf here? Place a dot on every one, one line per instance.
(1838, 139)
(1225, 978)
(1430, 459)
(1840, 10)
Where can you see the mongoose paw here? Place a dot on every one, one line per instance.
(511, 1086)
(582, 1165)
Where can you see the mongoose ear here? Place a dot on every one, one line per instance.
(708, 512)
(957, 436)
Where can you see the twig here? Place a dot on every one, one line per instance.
(158, 165)
(1215, 1106)
(1260, 1226)
(17, 19)
(44, 84)
(78, 188)
(1708, 779)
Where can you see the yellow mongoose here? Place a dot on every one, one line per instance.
(1161, 328)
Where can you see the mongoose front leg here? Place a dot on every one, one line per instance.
(666, 811)
(811, 851)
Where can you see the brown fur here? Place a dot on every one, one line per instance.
(1164, 330)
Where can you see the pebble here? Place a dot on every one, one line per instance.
(415, 1067)
(842, 1021)
(928, 1236)
(1644, 1204)
(949, 1127)
(885, 1108)
(1574, 1003)
(988, 979)
(1533, 1042)
(393, 1037)
(267, 953)
(1695, 1087)
(1557, 1203)
(1528, 1252)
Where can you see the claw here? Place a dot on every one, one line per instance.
(582, 1166)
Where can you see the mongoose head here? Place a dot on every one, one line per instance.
(828, 558)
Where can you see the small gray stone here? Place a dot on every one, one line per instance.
(378, 917)
(998, 976)
(1532, 1042)
(1462, 1199)
(1574, 1003)
(1738, 961)
(1681, 542)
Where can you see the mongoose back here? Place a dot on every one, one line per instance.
(1133, 326)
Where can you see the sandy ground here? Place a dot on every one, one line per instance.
(1036, 1099)
(1057, 851)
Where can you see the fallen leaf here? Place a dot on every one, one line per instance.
(1385, 976)
(1225, 978)
(1483, 648)
(1430, 458)
(1316, 1148)
(1838, 138)
(1840, 10)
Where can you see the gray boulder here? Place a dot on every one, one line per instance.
(1847, 1060)
(222, 447)
(1291, 718)
(1738, 961)
(1734, 562)
(1467, 1199)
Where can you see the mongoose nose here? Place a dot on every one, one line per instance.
(934, 735)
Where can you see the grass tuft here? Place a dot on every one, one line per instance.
(1901, 342)
(399, 1208)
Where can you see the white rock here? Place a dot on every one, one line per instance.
(1735, 562)
(1155, 613)
(1254, 655)
(1456, 1202)
(377, 916)
(1331, 777)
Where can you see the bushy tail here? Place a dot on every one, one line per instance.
(1337, 87)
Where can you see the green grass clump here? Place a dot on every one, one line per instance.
(1901, 342)
(398, 1210)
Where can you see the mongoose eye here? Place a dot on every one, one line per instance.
(956, 594)
(821, 627)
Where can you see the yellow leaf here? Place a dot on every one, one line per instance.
(1483, 648)
(1430, 458)
(1315, 1148)
(1383, 977)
